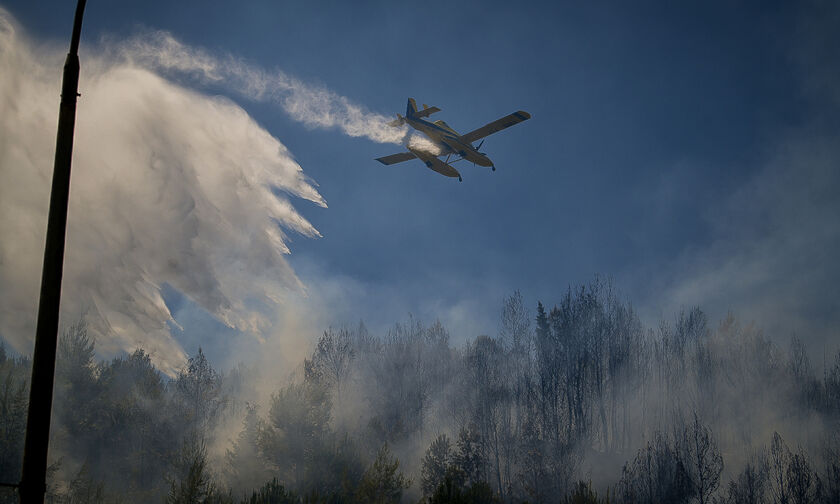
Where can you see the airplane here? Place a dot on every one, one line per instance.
(447, 140)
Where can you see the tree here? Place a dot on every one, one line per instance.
(779, 460)
(805, 485)
(582, 493)
(486, 365)
(14, 393)
(832, 387)
(450, 492)
(516, 325)
(382, 483)
(701, 458)
(470, 460)
(272, 493)
(331, 360)
(657, 474)
(831, 476)
(83, 490)
(199, 387)
(246, 469)
(542, 322)
(135, 427)
(399, 378)
(76, 384)
(298, 421)
(749, 487)
(75, 353)
(436, 464)
(190, 482)
(792, 481)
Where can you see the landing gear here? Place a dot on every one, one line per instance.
(493, 168)
(460, 179)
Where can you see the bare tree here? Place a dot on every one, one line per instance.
(332, 358)
(657, 474)
(779, 461)
(516, 325)
(805, 485)
(750, 486)
(702, 459)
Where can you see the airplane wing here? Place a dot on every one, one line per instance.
(496, 126)
(396, 158)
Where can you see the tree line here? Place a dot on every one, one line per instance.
(579, 402)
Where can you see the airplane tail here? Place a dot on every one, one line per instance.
(411, 108)
(411, 112)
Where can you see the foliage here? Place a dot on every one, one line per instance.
(272, 493)
(436, 464)
(657, 474)
(299, 443)
(450, 492)
(14, 394)
(330, 363)
(509, 418)
(245, 466)
(383, 482)
(750, 485)
(582, 493)
(191, 482)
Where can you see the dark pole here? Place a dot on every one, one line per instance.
(34, 475)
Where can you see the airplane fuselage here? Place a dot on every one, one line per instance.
(446, 141)
(449, 141)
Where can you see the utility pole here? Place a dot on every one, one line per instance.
(33, 483)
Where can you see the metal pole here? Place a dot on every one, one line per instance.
(34, 474)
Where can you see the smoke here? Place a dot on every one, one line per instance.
(770, 256)
(169, 186)
(314, 106)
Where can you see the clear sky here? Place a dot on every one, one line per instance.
(688, 150)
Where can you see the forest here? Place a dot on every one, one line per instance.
(573, 403)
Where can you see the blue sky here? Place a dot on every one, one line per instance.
(663, 135)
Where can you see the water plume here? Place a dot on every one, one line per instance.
(170, 186)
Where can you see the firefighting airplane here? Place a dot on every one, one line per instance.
(447, 140)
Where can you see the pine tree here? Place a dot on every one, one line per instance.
(436, 464)
(383, 483)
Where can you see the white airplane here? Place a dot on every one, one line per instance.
(447, 140)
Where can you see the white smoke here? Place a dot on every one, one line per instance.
(770, 255)
(314, 106)
(168, 186)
